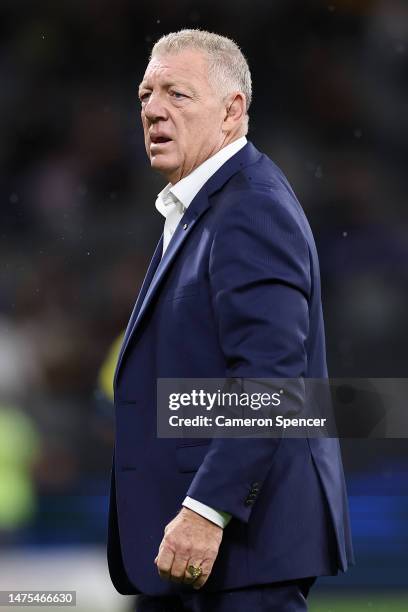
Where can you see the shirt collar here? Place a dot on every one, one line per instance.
(166, 202)
(181, 194)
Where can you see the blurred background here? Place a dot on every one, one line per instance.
(78, 227)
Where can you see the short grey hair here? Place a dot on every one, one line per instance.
(227, 67)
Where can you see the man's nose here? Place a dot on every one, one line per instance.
(155, 109)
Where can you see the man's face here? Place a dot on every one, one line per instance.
(181, 113)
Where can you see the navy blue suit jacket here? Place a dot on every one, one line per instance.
(237, 294)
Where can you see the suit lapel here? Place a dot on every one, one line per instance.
(185, 226)
(155, 261)
(157, 269)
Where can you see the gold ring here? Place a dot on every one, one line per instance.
(195, 571)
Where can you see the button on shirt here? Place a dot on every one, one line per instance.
(172, 202)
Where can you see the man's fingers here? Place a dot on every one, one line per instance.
(188, 578)
(197, 584)
(178, 568)
(189, 540)
(164, 561)
(206, 567)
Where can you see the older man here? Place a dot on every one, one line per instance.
(233, 290)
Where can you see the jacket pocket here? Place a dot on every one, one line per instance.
(184, 291)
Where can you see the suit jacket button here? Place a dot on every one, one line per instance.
(250, 499)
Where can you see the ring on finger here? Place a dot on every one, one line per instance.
(195, 571)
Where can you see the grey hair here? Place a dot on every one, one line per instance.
(227, 67)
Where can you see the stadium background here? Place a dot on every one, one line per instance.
(78, 225)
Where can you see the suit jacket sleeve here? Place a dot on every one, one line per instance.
(260, 281)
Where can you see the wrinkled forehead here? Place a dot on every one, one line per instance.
(188, 64)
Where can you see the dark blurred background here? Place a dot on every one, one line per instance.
(78, 226)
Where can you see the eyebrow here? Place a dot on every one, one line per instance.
(168, 84)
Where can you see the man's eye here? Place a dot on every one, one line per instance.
(177, 95)
(144, 97)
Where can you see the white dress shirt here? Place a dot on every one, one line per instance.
(172, 202)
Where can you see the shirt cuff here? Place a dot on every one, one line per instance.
(215, 516)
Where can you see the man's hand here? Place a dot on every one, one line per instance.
(189, 539)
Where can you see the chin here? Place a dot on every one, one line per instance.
(162, 165)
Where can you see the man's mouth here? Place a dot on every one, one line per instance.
(159, 139)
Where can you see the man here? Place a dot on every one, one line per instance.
(233, 290)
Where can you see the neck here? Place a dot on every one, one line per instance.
(179, 174)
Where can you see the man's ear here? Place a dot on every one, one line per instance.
(235, 110)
